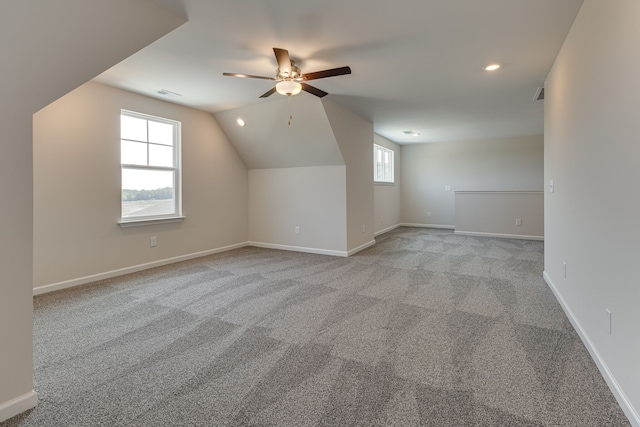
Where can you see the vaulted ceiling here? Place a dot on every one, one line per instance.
(417, 65)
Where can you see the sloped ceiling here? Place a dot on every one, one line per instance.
(417, 65)
(282, 133)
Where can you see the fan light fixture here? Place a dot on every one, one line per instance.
(288, 87)
(289, 77)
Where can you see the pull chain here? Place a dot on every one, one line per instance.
(289, 105)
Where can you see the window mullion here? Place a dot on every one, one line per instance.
(145, 167)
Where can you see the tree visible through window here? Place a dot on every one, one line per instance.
(382, 164)
(150, 162)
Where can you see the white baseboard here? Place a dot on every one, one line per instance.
(299, 249)
(502, 236)
(620, 396)
(133, 269)
(386, 230)
(140, 267)
(446, 227)
(361, 247)
(18, 405)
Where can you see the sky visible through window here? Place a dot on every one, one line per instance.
(135, 153)
(135, 179)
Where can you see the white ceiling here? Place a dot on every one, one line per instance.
(417, 64)
(273, 133)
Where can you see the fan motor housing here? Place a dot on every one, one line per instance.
(295, 73)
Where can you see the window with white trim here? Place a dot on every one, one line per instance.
(382, 164)
(150, 163)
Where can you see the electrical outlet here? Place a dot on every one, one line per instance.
(551, 189)
(363, 228)
(608, 320)
(447, 188)
(428, 213)
(564, 269)
(297, 230)
(518, 221)
(154, 242)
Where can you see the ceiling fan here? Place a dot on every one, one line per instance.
(290, 80)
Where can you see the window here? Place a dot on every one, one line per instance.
(382, 164)
(150, 162)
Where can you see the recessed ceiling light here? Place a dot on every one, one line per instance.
(410, 132)
(492, 67)
(241, 122)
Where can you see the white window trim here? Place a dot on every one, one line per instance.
(392, 181)
(177, 184)
(139, 222)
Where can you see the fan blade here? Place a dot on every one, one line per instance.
(247, 76)
(313, 90)
(268, 93)
(326, 73)
(284, 61)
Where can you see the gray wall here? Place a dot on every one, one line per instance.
(312, 198)
(386, 204)
(354, 135)
(76, 150)
(511, 214)
(34, 37)
(497, 164)
(591, 219)
(315, 174)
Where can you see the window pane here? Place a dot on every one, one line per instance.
(160, 155)
(133, 153)
(147, 193)
(133, 128)
(142, 179)
(383, 164)
(160, 133)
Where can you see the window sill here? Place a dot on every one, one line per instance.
(148, 221)
(383, 183)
